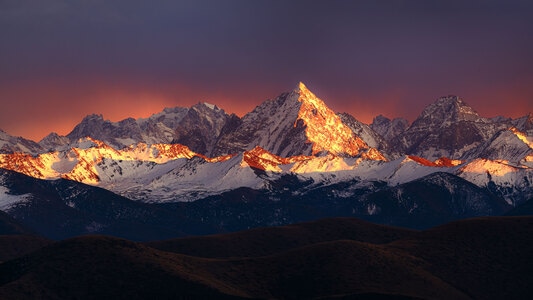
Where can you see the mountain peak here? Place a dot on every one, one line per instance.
(450, 108)
(448, 127)
(301, 87)
(91, 117)
(295, 123)
(171, 110)
(323, 128)
(206, 105)
(305, 93)
(53, 141)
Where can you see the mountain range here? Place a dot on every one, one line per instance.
(290, 201)
(200, 170)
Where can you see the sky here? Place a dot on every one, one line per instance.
(63, 59)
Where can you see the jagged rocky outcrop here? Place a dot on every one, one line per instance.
(53, 142)
(295, 123)
(368, 135)
(446, 128)
(197, 127)
(201, 127)
(10, 144)
(389, 129)
(508, 144)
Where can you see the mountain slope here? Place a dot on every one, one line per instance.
(16, 239)
(14, 246)
(483, 258)
(10, 226)
(116, 134)
(487, 258)
(96, 267)
(524, 124)
(367, 134)
(128, 131)
(387, 128)
(61, 208)
(271, 240)
(509, 144)
(10, 144)
(200, 128)
(432, 200)
(295, 123)
(446, 128)
(503, 179)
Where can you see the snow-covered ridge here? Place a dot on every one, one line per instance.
(197, 126)
(173, 172)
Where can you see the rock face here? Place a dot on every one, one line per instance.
(10, 144)
(524, 124)
(387, 128)
(201, 127)
(54, 141)
(446, 128)
(198, 127)
(368, 135)
(509, 144)
(295, 123)
(118, 135)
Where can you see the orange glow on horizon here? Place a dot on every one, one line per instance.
(50, 106)
(56, 105)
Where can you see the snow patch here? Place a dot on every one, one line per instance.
(7, 200)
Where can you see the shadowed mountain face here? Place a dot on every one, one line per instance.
(10, 226)
(434, 199)
(446, 128)
(485, 258)
(526, 209)
(61, 208)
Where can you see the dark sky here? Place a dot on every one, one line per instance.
(61, 59)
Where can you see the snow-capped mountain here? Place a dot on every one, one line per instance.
(290, 159)
(446, 128)
(167, 172)
(367, 134)
(197, 126)
(511, 182)
(295, 123)
(201, 127)
(509, 144)
(10, 144)
(524, 124)
(53, 142)
(116, 134)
